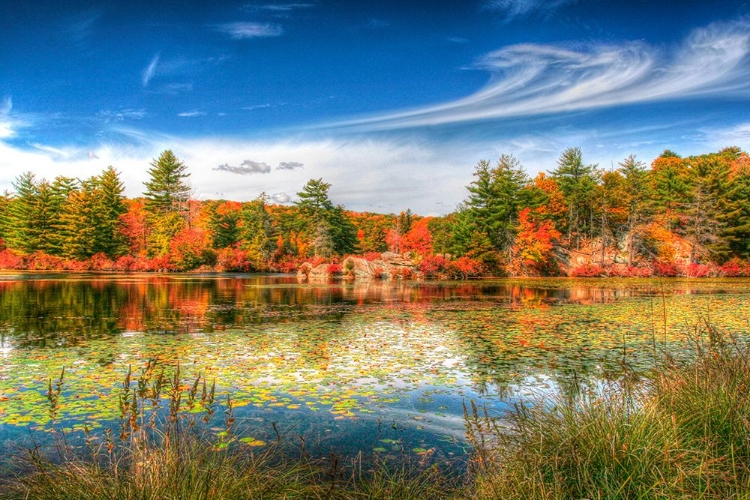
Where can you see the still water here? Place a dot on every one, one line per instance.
(383, 367)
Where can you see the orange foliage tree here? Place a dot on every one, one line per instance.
(533, 249)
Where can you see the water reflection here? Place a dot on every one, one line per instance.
(331, 358)
(59, 310)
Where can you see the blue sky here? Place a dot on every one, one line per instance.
(393, 103)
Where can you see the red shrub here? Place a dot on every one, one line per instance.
(232, 259)
(464, 267)
(334, 269)
(587, 271)
(432, 265)
(665, 269)
(125, 263)
(9, 260)
(735, 268)
(698, 271)
(377, 272)
(370, 256)
(405, 273)
(101, 262)
(44, 262)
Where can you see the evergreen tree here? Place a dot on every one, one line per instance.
(706, 209)
(737, 232)
(79, 221)
(110, 207)
(61, 189)
(327, 228)
(257, 232)
(635, 195)
(167, 201)
(223, 220)
(167, 190)
(25, 222)
(496, 197)
(670, 187)
(578, 184)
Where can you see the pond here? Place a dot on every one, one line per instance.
(373, 367)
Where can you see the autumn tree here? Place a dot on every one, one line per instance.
(534, 246)
(257, 233)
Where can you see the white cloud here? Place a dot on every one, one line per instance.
(532, 79)
(150, 70)
(281, 198)
(6, 126)
(190, 114)
(243, 30)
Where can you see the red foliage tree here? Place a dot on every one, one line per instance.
(418, 239)
(534, 246)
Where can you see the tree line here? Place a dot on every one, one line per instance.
(678, 213)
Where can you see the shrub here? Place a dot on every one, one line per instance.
(665, 269)
(698, 271)
(125, 263)
(433, 265)
(232, 259)
(371, 256)
(9, 260)
(100, 262)
(587, 271)
(735, 268)
(463, 268)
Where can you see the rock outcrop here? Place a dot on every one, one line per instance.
(389, 266)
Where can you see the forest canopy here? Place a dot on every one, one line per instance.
(678, 216)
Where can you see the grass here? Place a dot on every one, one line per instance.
(684, 433)
(160, 450)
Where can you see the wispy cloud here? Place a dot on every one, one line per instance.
(247, 167)
(532, 79)
(257, 106)
(289, 165)
(280, 7)
(79, 27)
(175, 88)
(54, 152)
(190, 114)
(512, 9)
(6, 127)
(150, 70)
(243, 30)
(124, 114)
